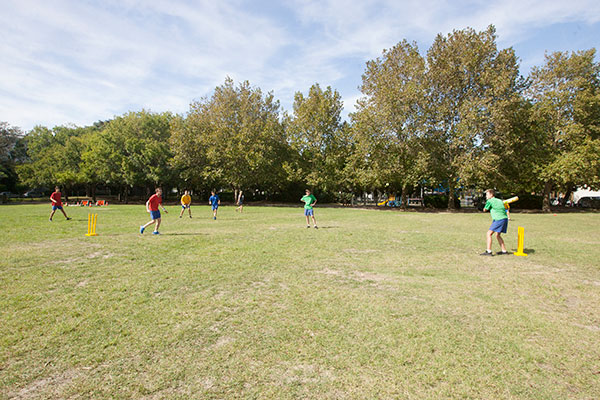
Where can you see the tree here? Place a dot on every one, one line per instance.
(54, 156)
(234, 138)
(565, 96)
(389, 122)
(471, 87)
(10, 137)
(320, 142)
(131, 150)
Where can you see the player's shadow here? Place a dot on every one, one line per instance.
(526, 251)
(184, 234)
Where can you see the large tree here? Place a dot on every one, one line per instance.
(471, 87)
(565, 93)
(389, 121)
(54, 156)
(233, 139)
(319, 139)
(131, 150)
(10, 138)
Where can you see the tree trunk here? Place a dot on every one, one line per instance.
(404, 197)
(94, 193)
(364, 198)
(451, 205)
(546, 199)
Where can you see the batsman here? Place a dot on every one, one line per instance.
(497, 209)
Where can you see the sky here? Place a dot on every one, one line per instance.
(76, 62)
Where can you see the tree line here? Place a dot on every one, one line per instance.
(459, 115)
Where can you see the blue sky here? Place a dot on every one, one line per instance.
(79, 61)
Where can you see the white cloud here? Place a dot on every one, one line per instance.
(77, 61)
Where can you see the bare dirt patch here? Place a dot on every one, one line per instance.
(50, 386)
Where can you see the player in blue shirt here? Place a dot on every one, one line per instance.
(214, 201)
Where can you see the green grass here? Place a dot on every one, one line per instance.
(375, 304)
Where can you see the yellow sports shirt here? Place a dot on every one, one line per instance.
(186, 199)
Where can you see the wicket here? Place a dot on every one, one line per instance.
(520, 242)
(92, 219)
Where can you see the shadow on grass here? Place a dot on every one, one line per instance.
(184, 234)
(526, 251)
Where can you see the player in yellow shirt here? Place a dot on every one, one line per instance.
(186, 202)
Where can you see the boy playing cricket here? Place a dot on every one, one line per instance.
(240, 202)
(499, 221)
(57, 203)
(152, 207)
(309, 202)
(214, 201)
(186, 202)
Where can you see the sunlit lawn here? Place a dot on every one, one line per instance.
(374, 304)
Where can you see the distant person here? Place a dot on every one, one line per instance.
(240, 202)
(499, 221)
(214, 202)
(186, 202)
(152, 207)
(309, 202)
(57, 203)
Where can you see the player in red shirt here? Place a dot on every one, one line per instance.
(152, 207)
(57, 203)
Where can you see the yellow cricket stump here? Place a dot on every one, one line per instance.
(520, 242)
(92, 219)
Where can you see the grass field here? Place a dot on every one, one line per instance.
(375, 304)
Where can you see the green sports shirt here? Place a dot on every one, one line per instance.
(308, 201)
(496, 207)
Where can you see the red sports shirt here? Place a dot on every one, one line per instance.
(154, 201)
(56, 197)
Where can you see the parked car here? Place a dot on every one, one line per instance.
(589, 202)
(34, 193)
(7, 194)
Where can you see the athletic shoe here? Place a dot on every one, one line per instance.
(68, 219)
(316, 227)
(142, 229)
(487, 254)
(190, 216)
(500, 253)
(156, 233)
(180, 216)
(308, 227)
(50, 220)
(215, 218)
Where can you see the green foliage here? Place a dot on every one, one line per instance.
(132, 150)
(439, 201)
(389, 121)
(472, 91)
(232, 139)
(321, 143)
(10, 153)
(565, 93)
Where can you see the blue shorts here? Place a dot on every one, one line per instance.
(499, 226)
(54, 208)
(155, 214)
(309, 212)
(185, 206)
(215, 207)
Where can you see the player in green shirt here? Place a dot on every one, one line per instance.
(499, 221)
(309, 202)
